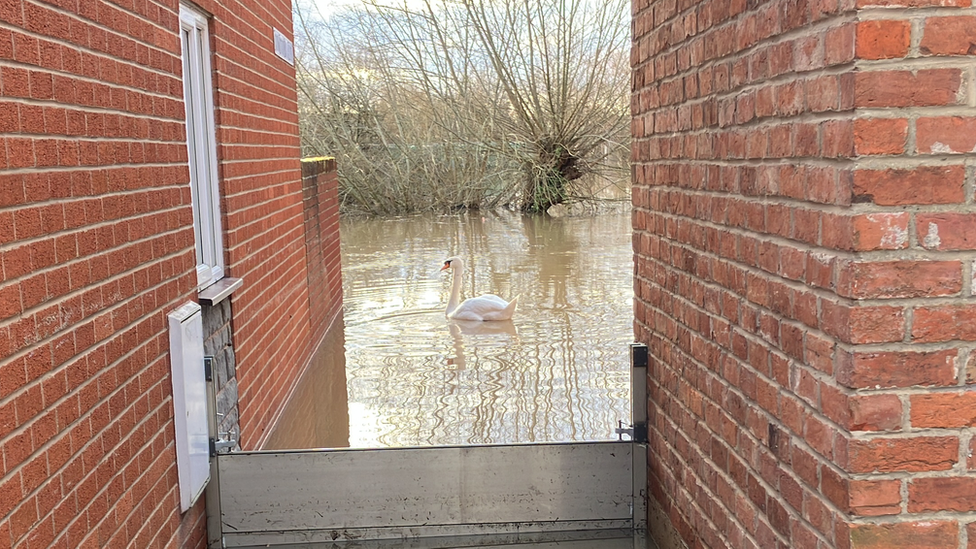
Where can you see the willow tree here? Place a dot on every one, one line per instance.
(537, 90)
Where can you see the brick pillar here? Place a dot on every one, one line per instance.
(804, 235)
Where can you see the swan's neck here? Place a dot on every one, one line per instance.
(456, 270)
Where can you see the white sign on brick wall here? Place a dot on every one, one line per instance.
(284, 47)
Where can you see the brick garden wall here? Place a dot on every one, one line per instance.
(320, 188)
(96, 246)
(316, 416)
(803, 195)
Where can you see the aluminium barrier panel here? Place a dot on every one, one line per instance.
(277, 497)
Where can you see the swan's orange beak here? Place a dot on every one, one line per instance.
(447, 265)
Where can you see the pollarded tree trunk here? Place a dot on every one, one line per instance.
(548, 180)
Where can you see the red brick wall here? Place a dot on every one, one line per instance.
(320, 186)
(96, 246)
(809, 331)
(908, 354)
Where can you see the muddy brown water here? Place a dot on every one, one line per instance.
(558, 372)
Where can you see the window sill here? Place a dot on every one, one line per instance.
(219, 291)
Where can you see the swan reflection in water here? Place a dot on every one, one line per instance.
(494, 333)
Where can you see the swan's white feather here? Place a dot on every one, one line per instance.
(483, 307)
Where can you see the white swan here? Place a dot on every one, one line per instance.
(483, 307)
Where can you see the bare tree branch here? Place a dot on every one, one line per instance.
(440, 104)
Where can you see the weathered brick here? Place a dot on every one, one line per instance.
(897, 279)
(944, 323)
(876, 231)
(882, 412)
(942, 494)
(971, 368)
(863, 324)
(880, 231)
(875, 497)
(912, 3)
(922, 185)
(923, 534)
(945, 135)
(949, 36)
(924, 88)
(946, 231)
(883, 38)
(911, 454)
(943, 410)
(880, 136)
(897, 368)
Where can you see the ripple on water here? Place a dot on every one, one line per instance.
(558, 372)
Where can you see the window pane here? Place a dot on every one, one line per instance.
(201, 146)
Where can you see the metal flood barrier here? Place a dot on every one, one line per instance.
(342, 495)
(268, 498)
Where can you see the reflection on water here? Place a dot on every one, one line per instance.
(316, 415)
(557, 372)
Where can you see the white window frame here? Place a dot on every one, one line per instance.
(201, 142)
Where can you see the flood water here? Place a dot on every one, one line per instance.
(558, 372)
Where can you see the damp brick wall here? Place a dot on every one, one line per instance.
(96, 247)
(320, 192)
(803, 214)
